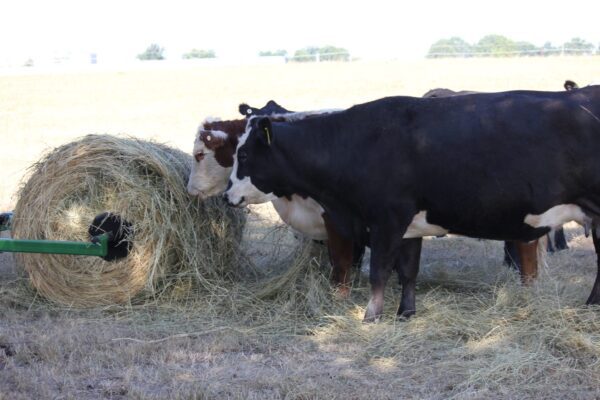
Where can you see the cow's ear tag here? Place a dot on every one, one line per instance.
(268, 133)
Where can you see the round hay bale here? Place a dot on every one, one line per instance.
(145, 184)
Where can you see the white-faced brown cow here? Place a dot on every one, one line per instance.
(214, 148)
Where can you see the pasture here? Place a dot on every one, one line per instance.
(280, 332)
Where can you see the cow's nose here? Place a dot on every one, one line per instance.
(225, 198)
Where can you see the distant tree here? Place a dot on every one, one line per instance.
(332, 53)
(578, 46)
(325, 53)
(198, 53)
(453, 47)
(306, 54)
(153, 52)
(495, 45)
(275, 53)
(498, 45)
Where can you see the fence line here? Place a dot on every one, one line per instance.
(508, 53)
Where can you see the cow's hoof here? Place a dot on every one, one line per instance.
(371, 319)
(342, 292)
(593, 300)
(405, 315)
(374, 311)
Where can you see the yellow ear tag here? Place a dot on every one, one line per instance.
(268, 135)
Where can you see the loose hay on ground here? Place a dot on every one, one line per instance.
(144, 183)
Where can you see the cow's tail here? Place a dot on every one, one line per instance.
(542, 251)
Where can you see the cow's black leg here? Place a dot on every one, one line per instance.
(511, 255)
(358, 253)
(408, 269)
(386, 244)
(595, 295)
(379, 273)
(560, 241)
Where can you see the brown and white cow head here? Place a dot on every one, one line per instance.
(214, 148)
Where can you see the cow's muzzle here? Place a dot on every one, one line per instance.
(232, 203)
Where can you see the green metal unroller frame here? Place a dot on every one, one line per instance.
(109, 238)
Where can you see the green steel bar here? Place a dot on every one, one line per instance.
(97, 248)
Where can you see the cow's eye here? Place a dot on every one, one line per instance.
(242, 156)
(199, 157)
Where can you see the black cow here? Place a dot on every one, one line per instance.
(269, 109)
(503, 166)
(520, 256)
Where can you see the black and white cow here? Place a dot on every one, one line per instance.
(214, 150)
(503, 166)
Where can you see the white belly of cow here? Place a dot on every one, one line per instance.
(303, 215)
(419, 227)
(557, 216)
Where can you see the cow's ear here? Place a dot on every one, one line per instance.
(265, 130)
(245, 109)
(570, 85)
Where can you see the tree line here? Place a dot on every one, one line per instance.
(307, 54)
(490, 45)
(498, 45)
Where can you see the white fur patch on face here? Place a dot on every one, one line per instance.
(419, 227)
(303, 215)
(557, 216)
(207, 178)
(243, 192)
(219, 134)
(209, 120)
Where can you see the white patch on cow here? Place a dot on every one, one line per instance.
(242, 191)
(209, 120)
(419, 227)
(296, 116)
(219, 134)
(557, 216)
(207, 178)
(303, 215)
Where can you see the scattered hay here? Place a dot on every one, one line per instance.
(143, 182)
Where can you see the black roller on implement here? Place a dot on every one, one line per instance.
(110, 239)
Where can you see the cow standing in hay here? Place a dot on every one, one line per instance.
(214, 148)
(503, 166)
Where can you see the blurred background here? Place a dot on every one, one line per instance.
(157, 69)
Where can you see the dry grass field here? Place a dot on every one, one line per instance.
(282, 333)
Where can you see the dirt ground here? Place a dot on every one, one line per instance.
(478, 333)
(467, 341)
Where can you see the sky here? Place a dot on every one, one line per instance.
(239, 29)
